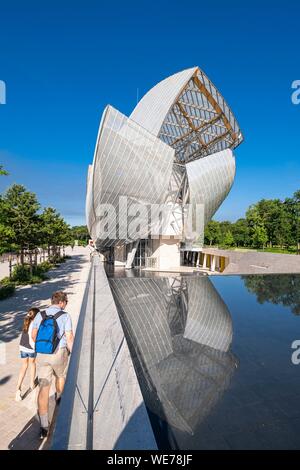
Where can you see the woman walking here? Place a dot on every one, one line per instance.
(27, 352)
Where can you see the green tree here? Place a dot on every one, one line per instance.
(276, 220)
(6, 232)
(240, 232)
(257, 230)
(281, 224)
(285, 229)
(19, 210)
(268, 212)
(259, 236)
(55, 232)
(212, 233)
(225, 226)
(295, 222)
(228, 239)
(2, 171)
(81, 233)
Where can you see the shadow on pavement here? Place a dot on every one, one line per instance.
(131, 438)
(5, 379)
(28, 438)
(13, 309)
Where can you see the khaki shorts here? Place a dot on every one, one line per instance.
(52, 364)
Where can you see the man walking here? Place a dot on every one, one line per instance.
(53, 335)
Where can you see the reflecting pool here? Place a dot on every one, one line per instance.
(213, 356)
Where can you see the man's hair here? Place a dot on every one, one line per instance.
(59, 296)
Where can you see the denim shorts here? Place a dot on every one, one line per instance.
(25, 355)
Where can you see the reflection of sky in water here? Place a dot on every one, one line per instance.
(219, 379)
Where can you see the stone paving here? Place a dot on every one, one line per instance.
(19, 424)
(257, 262)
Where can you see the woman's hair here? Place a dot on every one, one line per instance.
(32, 312)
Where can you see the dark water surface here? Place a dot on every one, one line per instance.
(213, 356)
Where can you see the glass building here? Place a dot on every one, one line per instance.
(159, 176)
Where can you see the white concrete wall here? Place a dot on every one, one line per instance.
(167, 253)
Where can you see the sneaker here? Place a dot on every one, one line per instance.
(18, 395)
(43, 433)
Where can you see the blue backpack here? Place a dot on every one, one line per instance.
(47, 338)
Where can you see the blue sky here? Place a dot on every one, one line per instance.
(63, 61)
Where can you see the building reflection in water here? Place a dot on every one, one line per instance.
(179, 332)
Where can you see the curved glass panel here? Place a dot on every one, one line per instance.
(132, 163)
(210, 180)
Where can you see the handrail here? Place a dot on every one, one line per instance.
(64, 419)
(90, 422)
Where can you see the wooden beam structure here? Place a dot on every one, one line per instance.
(214, 104)
(190, 123)
(199, 128)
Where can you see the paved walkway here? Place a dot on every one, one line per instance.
(19, 425)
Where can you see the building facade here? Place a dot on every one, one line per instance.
(160, 175)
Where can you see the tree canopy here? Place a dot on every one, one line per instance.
(283, 289)
(268, 223)
(25, 226)
(2, 171)
(80, 232)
